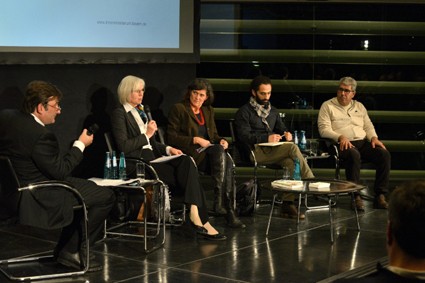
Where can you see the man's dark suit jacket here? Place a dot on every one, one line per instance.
(35, 155)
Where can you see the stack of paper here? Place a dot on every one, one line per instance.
(112, 182)
(288, 184)
(320, 186)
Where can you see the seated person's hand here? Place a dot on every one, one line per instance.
(86, 139)
(151, 128)
(224, 143)
(288, 136)
(274, 138)
(344, 143)
(201, 141)
(175, 151)
(376, 142)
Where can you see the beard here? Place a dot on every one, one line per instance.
(264, 103)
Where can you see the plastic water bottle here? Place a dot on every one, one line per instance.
(122, 167)
(296, 137)
(303, 141)
(107, 167)
(297, 170)
(114, 167)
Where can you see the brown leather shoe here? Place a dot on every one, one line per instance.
(380, 202)
(358, 202)
(289, 210)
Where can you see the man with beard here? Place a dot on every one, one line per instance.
(259, 122)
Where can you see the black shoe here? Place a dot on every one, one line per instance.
(198, 229)
(68, 259)
(191, 230)
(216, 237)
(77, 261)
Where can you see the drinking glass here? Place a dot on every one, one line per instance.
(285, 173)
(140, 170)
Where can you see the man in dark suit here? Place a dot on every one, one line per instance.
(35, 156)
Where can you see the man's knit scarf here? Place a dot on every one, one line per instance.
(262, 111)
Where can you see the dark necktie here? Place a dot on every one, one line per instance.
(142, 113)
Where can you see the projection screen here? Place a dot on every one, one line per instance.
(98, 31)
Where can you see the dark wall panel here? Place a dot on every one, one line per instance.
(90, 90)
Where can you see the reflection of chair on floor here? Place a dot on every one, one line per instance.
(33, 267)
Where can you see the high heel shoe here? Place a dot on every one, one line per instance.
(215, 237)
(198, 229)
(191, 230)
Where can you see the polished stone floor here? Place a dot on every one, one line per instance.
(290, 253)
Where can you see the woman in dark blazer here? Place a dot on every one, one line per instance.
(134, 135)
(191, 127)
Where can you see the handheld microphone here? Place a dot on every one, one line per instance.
(92, 129)
(148, 112)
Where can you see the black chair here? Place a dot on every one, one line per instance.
(332, 147)
(174, 217)
(243, 155)
(151, 230)
(41, 265)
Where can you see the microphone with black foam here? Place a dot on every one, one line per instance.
(148, 112)
(92, 129)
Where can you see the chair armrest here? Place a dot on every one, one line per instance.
(54, 183)
(147, 165)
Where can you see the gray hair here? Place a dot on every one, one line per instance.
(126, 87)
(349, 81)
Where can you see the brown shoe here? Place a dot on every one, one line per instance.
(380, 202)
(289, 210)
(358, 202)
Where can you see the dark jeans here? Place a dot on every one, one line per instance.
(363, 151)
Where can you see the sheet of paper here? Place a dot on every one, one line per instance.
(273, 143)
(165, 158)
(112, 182)
(288, 184)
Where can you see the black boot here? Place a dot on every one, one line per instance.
(218, 174)
(218, 202)
(230, 194)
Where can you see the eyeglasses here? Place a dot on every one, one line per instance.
(57, 107)
(139, 90)
(345, 90)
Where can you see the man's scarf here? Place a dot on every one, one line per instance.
(262, 111)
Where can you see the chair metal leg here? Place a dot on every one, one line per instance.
(299, 209)
(270, 215)
(157, 225)
(12, 268)
(331, 228)
(355, 211)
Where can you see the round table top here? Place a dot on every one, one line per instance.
(335, 187)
